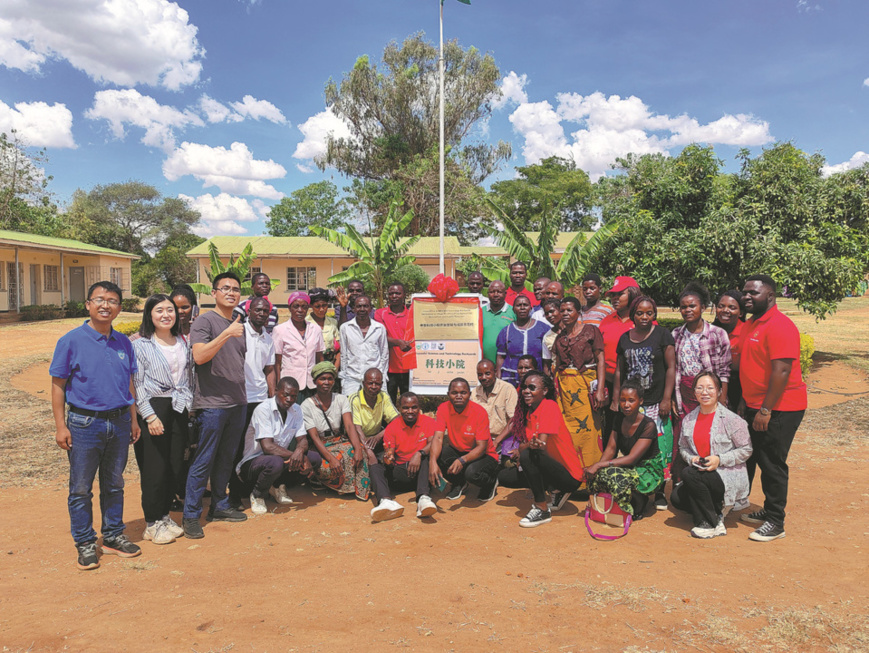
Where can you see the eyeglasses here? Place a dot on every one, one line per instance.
(229, 289)
(705, 391)
(99, 301)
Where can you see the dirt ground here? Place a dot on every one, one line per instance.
(321, 577)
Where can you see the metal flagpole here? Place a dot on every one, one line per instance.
(441, 67)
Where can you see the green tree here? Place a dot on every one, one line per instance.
(315, 204)
(25, 203)
(240, 266)
(569, 269)
(379, 256)
(167, 268)
(391, 110)
(555, 181)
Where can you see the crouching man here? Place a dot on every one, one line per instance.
(407, 448)
(276, 448)
(468, 454)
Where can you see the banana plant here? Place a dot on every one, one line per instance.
(240, 266)
(569, 269)
(378, 256)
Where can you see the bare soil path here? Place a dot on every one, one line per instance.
(321, 577)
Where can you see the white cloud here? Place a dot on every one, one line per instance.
(250, 107)
(613, 126)
(857, 161)
(39, 124)
(232, 170)
(315, 130)
(866, 82)
(217, 112)
(512, 90)
(129, 107)
(305, 169)
(123, 42)
(222, 213)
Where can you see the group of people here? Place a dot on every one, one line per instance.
(571, 395)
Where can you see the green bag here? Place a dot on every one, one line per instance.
(665, 444)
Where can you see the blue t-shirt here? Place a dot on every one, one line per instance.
(97, 369)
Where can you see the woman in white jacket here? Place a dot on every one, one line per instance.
(715, 443)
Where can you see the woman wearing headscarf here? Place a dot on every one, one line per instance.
(298, 345)
(329, 422)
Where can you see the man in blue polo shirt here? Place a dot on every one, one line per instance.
(92, 371)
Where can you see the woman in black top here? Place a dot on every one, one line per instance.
(639, 469)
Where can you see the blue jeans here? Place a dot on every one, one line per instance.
(97, 444)
(220, 430)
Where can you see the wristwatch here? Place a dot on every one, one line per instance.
(765, 411)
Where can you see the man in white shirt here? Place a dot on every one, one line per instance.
(364, 345)
(275, 448)
(259, 377)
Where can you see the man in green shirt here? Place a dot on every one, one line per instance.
(496, 316)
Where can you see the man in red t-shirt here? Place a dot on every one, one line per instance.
(468, 455)
(407, 447)
(394, 318)
(518, 275)
(774, 399)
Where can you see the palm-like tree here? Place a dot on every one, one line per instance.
(379, 256)
(569, 270)
(240, 266)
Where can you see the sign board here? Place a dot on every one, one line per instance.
(446, 342)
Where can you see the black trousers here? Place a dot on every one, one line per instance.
(236, 488)
(479, 472)
(161, 458)
(770, 454)
(541, 471)
(258, 474)
(702, 494)
(510, 476)
(397, 384)
(385, 478)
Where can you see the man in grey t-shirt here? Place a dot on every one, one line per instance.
(221, 401)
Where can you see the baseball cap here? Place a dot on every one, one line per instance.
(623, 283)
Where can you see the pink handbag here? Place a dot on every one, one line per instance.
(604, 510)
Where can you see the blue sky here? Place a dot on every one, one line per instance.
(221, 101)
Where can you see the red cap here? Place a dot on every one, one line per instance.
(623, 283)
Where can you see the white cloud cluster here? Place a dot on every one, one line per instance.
(232, 170)
(39, 124)
(866, 82)
(123, 42)
(222, 213)
(250, 107)
(315, 130)
(610, 127)
(512, 90)
(857, 161)
(129, 107)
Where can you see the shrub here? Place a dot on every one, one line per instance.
(130, 305)
(127, 328)
(35, 312)
(670, 323)
(414, 278)
(807, 350)
(75, 309)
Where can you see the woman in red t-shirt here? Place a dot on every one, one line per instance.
(715, 444)
(730, 316)
(545, 455)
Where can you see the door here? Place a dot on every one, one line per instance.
(13, 285)
(34, 284)
(76, 284)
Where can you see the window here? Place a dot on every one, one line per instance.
(301, 278)
(251, 272)
(51, 278)
(116, 276)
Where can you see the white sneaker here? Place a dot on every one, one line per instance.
(172, 526)
(720, 528)
(387, 509)
(425, 507)
(279, 494)
(258, 505)
(157, 533)
(703, 532)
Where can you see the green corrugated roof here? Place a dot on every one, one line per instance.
(59, 243)
(309, 246)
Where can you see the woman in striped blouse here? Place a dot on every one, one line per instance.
(163, 398)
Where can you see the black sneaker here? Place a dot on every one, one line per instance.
(535, 517)
(236, 504)
(226, 515)
(767, 532)
(121, 546)
(660, 501)
(192, 528)
(87, 556)
(488, 492)
(456, 492)
(557, 500)
(758, 517)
